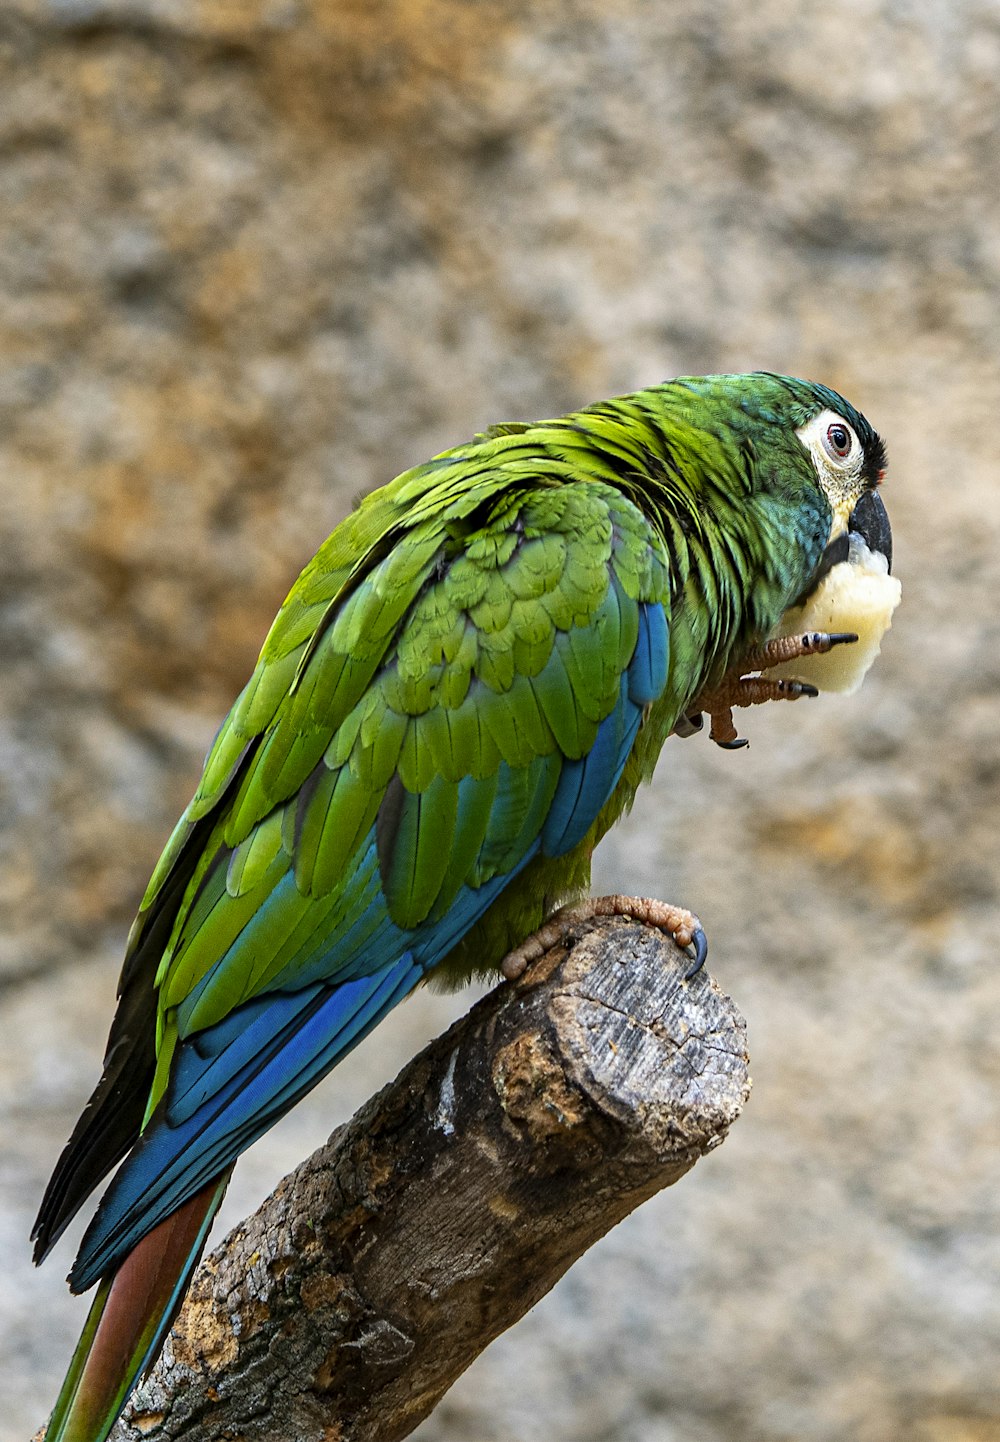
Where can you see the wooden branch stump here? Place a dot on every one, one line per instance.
(454, 1200)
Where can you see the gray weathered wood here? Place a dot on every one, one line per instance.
(453, 1200)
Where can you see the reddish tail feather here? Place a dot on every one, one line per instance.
(129, 1320)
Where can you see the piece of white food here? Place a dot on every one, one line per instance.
(855, 595)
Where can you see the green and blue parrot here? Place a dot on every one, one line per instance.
(460, 695)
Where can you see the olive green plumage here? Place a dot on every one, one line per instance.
(461, 693)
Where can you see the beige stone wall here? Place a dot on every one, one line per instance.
(257, 257)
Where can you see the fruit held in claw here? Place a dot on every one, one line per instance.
(856, 595)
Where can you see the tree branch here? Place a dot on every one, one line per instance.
(454, 1200)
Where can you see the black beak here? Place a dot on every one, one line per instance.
(870, 522)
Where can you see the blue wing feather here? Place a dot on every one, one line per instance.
(234, 1072)
(585, 785)
(225, 1091)
(232, 1081)
(647, 671)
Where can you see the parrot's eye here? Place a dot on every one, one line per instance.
(838, 440)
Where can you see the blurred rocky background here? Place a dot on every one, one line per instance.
(258, 255)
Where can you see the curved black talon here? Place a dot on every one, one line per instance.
(820, 642)
(736, 744)
(797, 688)
(700, 943)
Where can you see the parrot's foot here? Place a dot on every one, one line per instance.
(682, 925)
(740, 689)
(790, 648)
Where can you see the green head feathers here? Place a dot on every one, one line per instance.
(771, 412)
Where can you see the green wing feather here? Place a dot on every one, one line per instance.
(384, 690)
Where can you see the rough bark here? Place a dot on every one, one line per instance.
(454, 1200)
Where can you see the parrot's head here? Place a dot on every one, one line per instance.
(849, 459)
(844, 453)
(820, 456)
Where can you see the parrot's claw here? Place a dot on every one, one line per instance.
(722, 731)
(741, 689)
(683, 926)
(738, 688)
(832, 638)
(699, 942)
(791, 689)
(790, 648)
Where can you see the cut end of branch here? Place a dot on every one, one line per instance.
(454, 1199)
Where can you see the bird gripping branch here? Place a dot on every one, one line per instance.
(460, 695)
